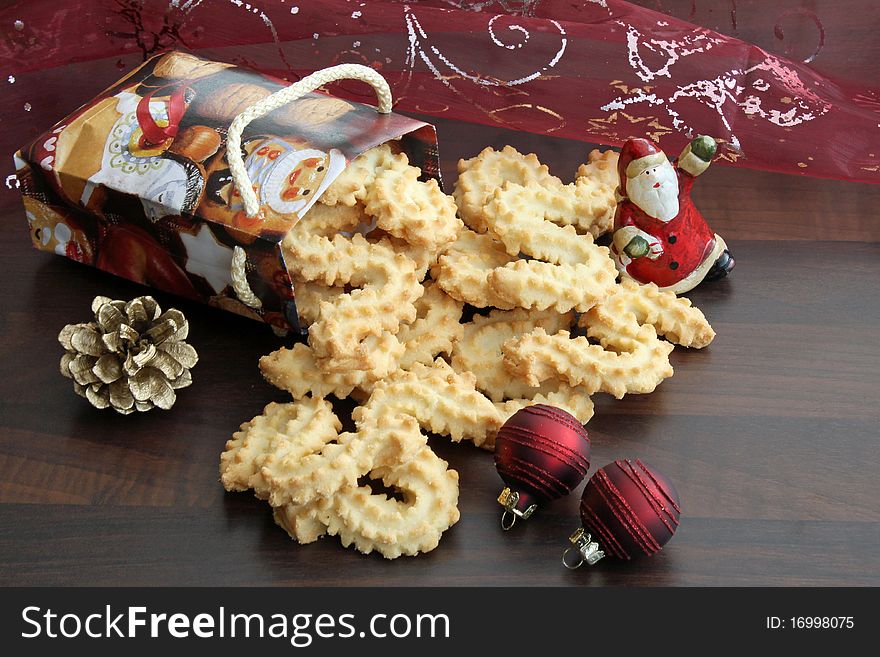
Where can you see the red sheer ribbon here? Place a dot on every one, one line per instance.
(594, 70)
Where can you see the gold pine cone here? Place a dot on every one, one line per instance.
(131, 358)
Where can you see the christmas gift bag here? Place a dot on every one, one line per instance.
(141, 182)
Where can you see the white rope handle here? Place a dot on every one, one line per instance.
(239, 279)
(282, 97)
(261, 108)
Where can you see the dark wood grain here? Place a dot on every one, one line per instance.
(770, 434)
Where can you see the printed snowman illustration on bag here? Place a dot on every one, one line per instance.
(134, 159)
(659, 234)
(286, 178)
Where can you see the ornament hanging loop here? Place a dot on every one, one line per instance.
(585, 547)
(508, 520)
(509, 500)
(568, 563)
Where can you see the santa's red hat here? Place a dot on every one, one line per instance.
(636, 156)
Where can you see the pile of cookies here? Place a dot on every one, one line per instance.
(385, 266)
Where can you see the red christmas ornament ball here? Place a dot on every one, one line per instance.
(542, 453)
(630, 509)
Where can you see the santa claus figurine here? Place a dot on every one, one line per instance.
(659, 235)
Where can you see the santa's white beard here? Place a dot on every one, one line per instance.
(658, 202)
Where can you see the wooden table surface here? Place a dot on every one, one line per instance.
(770, 434)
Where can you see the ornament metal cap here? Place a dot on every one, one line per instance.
(510, 499)
(586, 549)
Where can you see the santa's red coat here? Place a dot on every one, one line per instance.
(686, 239)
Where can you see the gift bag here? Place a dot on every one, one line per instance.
(187, 174)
